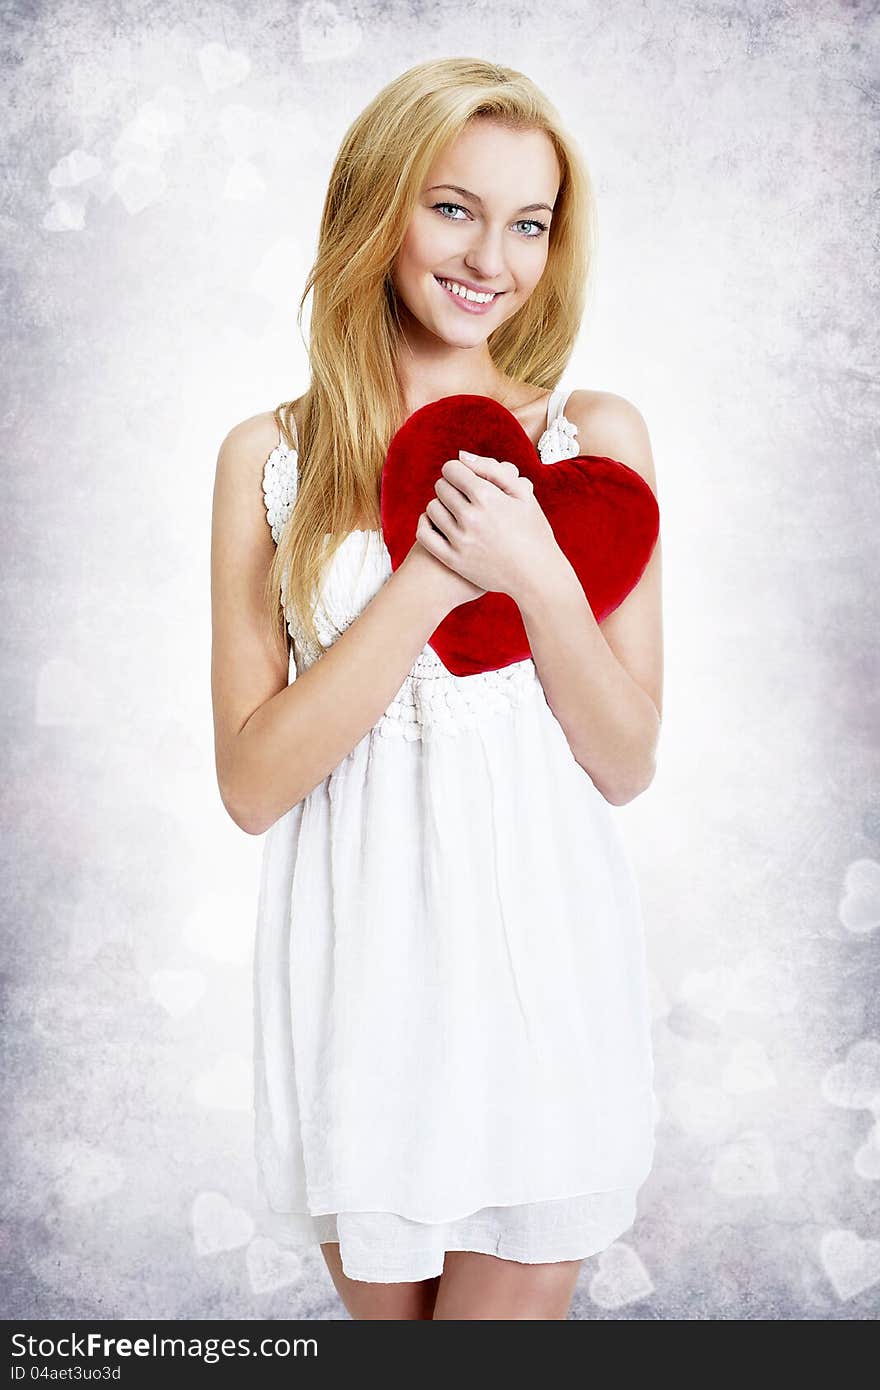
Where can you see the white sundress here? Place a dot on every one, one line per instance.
(452, 1023)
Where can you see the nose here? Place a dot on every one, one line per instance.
(485, 255)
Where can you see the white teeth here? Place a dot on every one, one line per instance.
(467, 294)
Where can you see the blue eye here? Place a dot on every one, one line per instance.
(533, 222)
(522, 222)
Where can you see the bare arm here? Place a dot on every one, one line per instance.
(290, 743)
(604, 681)
(275, 742)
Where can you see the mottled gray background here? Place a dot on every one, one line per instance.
(163, 172)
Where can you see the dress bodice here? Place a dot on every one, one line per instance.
(431, 700)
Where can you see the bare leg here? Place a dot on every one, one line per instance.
(393, 1302)
(486, 1287)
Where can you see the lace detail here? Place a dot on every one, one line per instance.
(559, 441)
(279, 488)
(431, 702)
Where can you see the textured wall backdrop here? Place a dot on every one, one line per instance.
(163, 172)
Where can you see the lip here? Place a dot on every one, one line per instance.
(468, 305)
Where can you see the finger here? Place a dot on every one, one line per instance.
(483, 464)
(465, 478)
(441, 516)
(452, 499)
(497, 471)
(432, 540)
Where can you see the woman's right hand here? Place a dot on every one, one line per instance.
(447, 587)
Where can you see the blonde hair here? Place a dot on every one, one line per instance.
(355, 401)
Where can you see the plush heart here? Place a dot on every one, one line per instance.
(603, 514)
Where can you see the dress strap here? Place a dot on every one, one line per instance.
(556, 403)
(291, 425)
(560, 438)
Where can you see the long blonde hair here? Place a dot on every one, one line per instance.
(355, 403)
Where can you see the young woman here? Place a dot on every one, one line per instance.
(454, 1074)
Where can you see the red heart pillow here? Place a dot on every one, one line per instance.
(603, 514)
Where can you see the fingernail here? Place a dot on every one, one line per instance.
(464, 454)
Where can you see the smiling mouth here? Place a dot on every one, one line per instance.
(463, 297)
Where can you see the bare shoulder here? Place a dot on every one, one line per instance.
(239, 511)
(241, 462)
(254, 437)
(611, 426)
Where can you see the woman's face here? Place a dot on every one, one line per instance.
(482, 218)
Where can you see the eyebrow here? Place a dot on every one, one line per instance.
(530, 207)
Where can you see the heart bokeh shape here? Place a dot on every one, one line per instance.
(603, 514)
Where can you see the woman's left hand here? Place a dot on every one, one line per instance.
(494, 531)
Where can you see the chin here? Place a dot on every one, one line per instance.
(470, 340)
